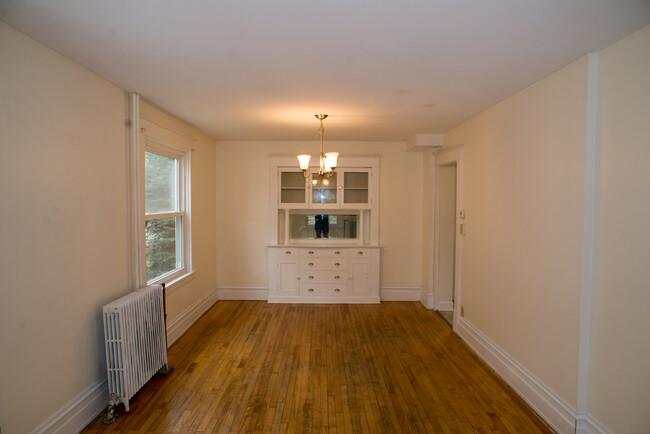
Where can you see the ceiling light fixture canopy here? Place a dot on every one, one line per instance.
(327, 160)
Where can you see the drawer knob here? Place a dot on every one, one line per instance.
(311, 290)
(359, 253)
(311, 277)
(337, 277)
(337, 253)
(311, 264)
(287, 252)
(338, 264)
(311, 252)
(337, 290)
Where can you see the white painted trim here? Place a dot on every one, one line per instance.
(592, 148)
(137, 194)
(243, 293)
(445, 305)
(387, 293)
(448, 155)
(78, 412)
(426, 298)
(445, 157)
(588, 425)
(180, 324)
(261, 293)
(549, 405)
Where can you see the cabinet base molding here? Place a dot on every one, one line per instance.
(325, 300)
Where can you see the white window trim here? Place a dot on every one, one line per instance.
(143, 142)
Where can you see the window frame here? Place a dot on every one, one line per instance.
(184, 247)
(157, 147)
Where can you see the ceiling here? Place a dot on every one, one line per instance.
(382, 69)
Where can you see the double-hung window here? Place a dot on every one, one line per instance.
(166, 218)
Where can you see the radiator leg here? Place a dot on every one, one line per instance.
(111, 416)
(165, 371)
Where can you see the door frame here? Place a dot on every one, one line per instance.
(448, 157)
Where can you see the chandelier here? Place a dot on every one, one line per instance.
(327, 160)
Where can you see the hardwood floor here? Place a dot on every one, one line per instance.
(249, 366)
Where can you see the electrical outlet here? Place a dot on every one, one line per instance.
(462, 311)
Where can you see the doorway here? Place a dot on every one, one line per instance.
(447, 236)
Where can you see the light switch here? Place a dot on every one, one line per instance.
(463, 229)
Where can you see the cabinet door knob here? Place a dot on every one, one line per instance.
(311, 277)
(287, 252)
(337, 277)
(311, 264)
(338, 264)
(359, 253)
(311, 252)
(337, 253)
(337, 290)
(311, 290)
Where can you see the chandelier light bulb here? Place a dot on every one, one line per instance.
(327, 161)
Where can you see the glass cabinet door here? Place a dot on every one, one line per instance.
(293, 188)
(324, 191)
(355, 187)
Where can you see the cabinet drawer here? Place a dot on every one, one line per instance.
(323, 290)
(307, 264)
(316, 276)
(323, 253)
(289, 252)
(360, 253)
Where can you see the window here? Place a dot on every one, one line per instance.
(166, 221)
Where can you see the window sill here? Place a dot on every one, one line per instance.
(178, 282)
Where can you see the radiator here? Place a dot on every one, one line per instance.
(136, 345)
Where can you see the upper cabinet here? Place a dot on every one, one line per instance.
(349, 199)
(347, 188)
(293, 188)
(355, 185)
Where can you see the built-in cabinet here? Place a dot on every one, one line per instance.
(316, 274)
(346, 189)
(332, 262)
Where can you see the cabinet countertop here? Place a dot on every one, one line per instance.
(323, 245)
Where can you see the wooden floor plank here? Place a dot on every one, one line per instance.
(250, 366)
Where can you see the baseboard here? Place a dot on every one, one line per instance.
(243, 293)
(426, 299)
(445, 305)
(84, 408)
(550, 406)
(179, 325)
(79, 412)
(588, 425)
(400, 293)
(262, 293)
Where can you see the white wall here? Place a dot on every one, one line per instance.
(243, 220)
(523, 193)
(619, 388)
(65, 237)
(64, 245)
